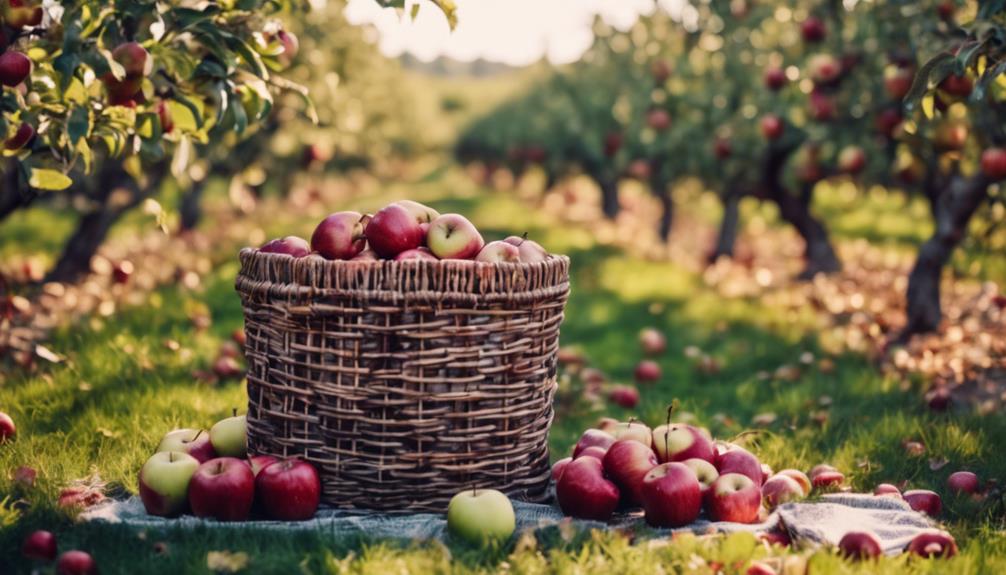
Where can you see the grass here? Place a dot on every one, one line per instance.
(121, 388)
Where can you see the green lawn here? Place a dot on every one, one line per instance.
(104, 409)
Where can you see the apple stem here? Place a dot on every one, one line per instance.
(196, 436)
(667, 429)
(234, 412)
(171, 457)
(475, 490)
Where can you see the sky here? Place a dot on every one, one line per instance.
(515, 32)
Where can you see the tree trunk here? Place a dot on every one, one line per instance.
(666, 209)
(190, 207)
(609, 197)
(727, 236)
(13, 196)
(952, 209)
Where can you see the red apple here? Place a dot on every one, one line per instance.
(7, 427)
(165, 117)
(421, 254)
(452, 236)
(608, 424)
(946, 9)
(898, 80)
(956, 86)
(530, 250)
(24, 134)
(626, 462)
(851, 159)
(860, 545)
(722, 148)
(134, 59)
(888, 121)
(288, 490)
(933, 544)
(15, 68)
(195, 442)
(766, 472)
(820, 468)
(290, 245)
(739, 461)
(780, 489)
(591, 438)
(734, 497)
(679, 442)
(950, 135)
(963, 482)
(652, 341)
(775, 78)
(76, 563)
(800, 477)
(222, 488)
(122, 92)
(612, 143)
(704, 471)
(994, 163)
(924, 501)
(821, 106)
(498, 251)
(827, 479)
(771, 127)
(777, 537)
(260, 462)
(559, 466)
(40, 545)
(340, 235)
(584, 492)
(365, 256)
(824, 69)
(291, 46)
(392, 231)
(658, 119)
(25, 476)
(886, 490)
(595, 451)
(760, 568)
(625, 396)
(813, 29)
(631, 429)
(647, 371)
(660, 70)
(671, 495)
(21, 14)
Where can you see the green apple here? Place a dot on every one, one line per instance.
(230, 437)
(164, 482)
(479, 515)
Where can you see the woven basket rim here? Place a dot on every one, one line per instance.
(248, 252)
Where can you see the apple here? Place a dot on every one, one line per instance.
(222, 488)
(820, 468)
(135, 59)
(609, 424)
(780, 489)
(963, 482)
(956, 86)
(612, 143)
(7, 427)
(24, 476)
(722, 148)
(824, 69)
(194, 442)
(898, 81)
(499, 251)
(933, 544)
(226, 367)
(631, 429)
(626, 462)
(593, 437)
(595, 451)
(760, 568)
(886, 490)
(924, 501)
(76, 563)
(480, 516)
(288, 490)
(165, 117)
(827, 479)
(821, 106)
(766, 472)
(559, 466)
(652, 341)
(740, 461)
(15, 68)
(452, 236)
(164, 482)
(771, 127)
(423, 213)
(340, 235)
(291, 46)
(20, 15)
(680, 441)
(946, 9)
(366, 256)
(393, 230)
(290, 245)
(813, 29)
(851, 159)
(24, 134)
(420, 253)
(40, 545)
(584, 492)
(647, 371)
(734, 497)
(530, 250)
(860, 545)
(658, 119)
(260, 462)
(625, 396)
(775, 78)
(660, 70)
(950, 135)
(704, 471)
(994, 163)
(229, 436)
(777, 537)
(671, 495)
(800, 477)
(888, 121)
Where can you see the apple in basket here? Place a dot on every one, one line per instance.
(498, 251)
(229, 436)
(672, 495)
(530, 251)
(423, 213)
(222, 488)
(481, 515)
(734, 497)
(393, 230)
(288, 490)
(452, 236)
(290, 245)
(195, 442)
(340, 235)
(164, 482)
(584, 492)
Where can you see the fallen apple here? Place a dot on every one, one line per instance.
(735, 459)
(584, 492)
(7, 427)
(222, 488)
(828, 480)
(39, 545)
(734, 497)
(631, 429)
(924, 501)
(680, 441)
(260, 462)
(195, 442)
(480, 516)
(229, 436)
(887, 490)
(626, 463)
(595, 451)
(76, 562)
(288, 490)
(933, 544)
(647, 371)
(704, 471)
(593, 437)
(671, 495)
(652, 341)
(559, 466)
(860, 545)
(781, 489)
(625, 396)
(963, 482)
(164, 482)
(800, 477)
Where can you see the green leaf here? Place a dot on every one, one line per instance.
(47, 179)
(921, 84)
(78, 125)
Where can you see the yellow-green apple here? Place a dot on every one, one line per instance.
(647, 371)
(626, 462)
(229, 437)
(498, 251)
(260, 462)
(76, 562)
(340, 235)
(222, 488)
(780, 489)
(652, 341)
(592, 437)
(924, 501)
(631, 429)
(734, 497)
(7, 427)
(423, 213)
(607, 424)
(15, 68)
(584, 492)
(827, 480)
(420, 253)
(134, 58)
(963, 482)
(164, 482)
(393, 230)
(800, 477)
(680, 441)
(530, 251)
(288, 490)
(860, 545)
(559, 466)
(195, 442)
(671, 495)
(933, 544)
(40, 545)
(704, 471)
(625, 396)
(290, 245)
(480, 516)
(595, 451)
(886, 489)
(453, 237)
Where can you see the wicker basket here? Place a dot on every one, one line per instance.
(404, 382)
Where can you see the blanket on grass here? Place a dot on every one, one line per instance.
(820, 522)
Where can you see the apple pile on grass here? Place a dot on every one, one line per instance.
(208, 474)
(41, 547)
(405, 230)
